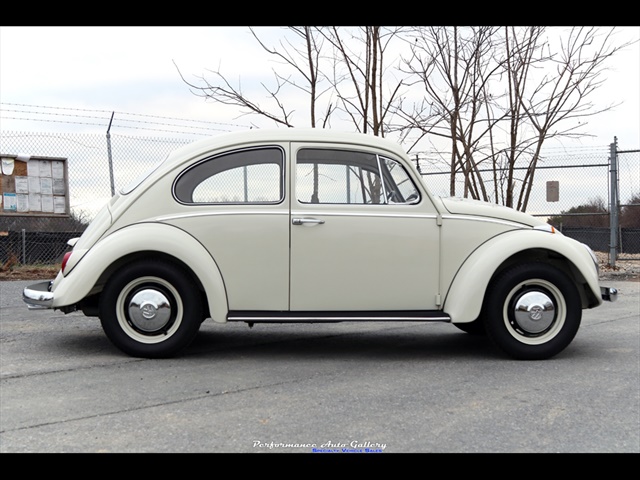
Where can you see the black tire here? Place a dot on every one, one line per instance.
(150, 309)
(532, 311)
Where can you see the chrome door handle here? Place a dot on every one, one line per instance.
(307, 221)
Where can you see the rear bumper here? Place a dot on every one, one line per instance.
(38, 295)
(609, 294)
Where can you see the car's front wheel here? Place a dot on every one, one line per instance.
(532, 311)
(150, 309)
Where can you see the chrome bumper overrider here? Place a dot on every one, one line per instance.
(38, 295)
(609, 294)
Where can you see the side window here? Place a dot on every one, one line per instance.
(337, 176)
(399, 186)
(349, 177)
(245, 176)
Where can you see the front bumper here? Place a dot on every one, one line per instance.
(609, 294)
(38, 295)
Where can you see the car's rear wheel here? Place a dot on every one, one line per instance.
(532, 311)
(150, 309)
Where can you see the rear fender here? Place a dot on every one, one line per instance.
(88, 273)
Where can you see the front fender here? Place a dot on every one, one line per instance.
(463, 301)
(87, 271)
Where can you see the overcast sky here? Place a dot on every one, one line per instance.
(131, 69)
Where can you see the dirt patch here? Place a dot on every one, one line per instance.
(627, 267)
(11, 269)
(30, 272)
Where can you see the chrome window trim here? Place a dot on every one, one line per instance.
(283, 183)
(385, 200)
(409, 177)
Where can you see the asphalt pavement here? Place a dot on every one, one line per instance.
(373, 388)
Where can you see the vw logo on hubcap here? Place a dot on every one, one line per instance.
(149, 310)
(534, 312)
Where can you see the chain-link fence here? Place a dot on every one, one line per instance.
(575, 192)
(98, 165)
(628, 197)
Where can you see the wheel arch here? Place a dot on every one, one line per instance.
(468, 290)
(159, 241)
(154, 255)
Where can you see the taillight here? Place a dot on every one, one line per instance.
(65, 259)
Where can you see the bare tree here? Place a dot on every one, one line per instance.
(362, 75)
(558, 104)
(499, 94)
(345, 64)
(594, 213)
(354, 69)
(630, 214)
(454, 66)
(303, 59)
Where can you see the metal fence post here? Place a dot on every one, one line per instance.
(24, 247)
(113, 189)
(613, 202)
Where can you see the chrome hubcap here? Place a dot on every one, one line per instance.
(149, 310)
(534, 312)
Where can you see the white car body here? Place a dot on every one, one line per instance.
(288, 256)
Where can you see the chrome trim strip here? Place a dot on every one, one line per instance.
(354, 213)
(484, 219)
(373, 318)
(340, 214)
(293, 213)
(215, 214)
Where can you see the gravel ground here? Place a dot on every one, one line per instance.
(627, 267)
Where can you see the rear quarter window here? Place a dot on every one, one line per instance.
(245, 176)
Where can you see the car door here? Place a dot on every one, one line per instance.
(364, 235)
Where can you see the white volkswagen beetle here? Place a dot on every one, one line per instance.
(303, 225)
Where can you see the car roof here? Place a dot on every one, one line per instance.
(315, 135)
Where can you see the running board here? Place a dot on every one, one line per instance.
(311, 317)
